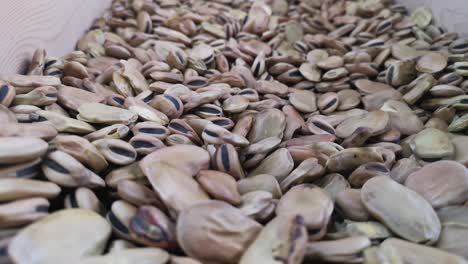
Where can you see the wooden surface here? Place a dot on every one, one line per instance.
(57, 24)
(52, 24)
(451, 14)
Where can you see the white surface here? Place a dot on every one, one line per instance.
(450, 14)
(54, 25)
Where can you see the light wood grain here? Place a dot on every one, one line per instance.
(450, 14)
(55, 25)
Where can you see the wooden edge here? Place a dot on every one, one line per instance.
(55, 25)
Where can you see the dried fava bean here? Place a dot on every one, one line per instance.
(422, 17)
(83, 198)
(151, 227)
(366, 171)
(112, 131)
(190, 159)
(431, 63)
(129, 256)
(119, 217)
(145, 144)
(303, 101)
(138, 194)
(213, 134)
(171, 177)
(119, 245)
(72, 98)
(14, 150)
(63, 169)
(287, 233)
(40, 96)
(373, 230)
(82, 150)
(36, 130)
(432, 143)
(67, 227)
(271, 87)
(7, 94)
(452, 238)
(258, 205)
(307, 171)
(23, 211)
(219, 185)
(312, 203)
(351, 158)
(402, 117)
(116, 151)
(401, 209)
(377, 121)
(170, 105)
(419, 254)
(180, 126)
(451, 189)
(12, 189)
(215, 221)
(144, 111)
(25, 170)
(268, 123)
(328, 102)
(32, 81)
(63, 123)
(152, 129)
(349, 203)
(317, 125)
(104, 114)
(278, 164)
(346, 250)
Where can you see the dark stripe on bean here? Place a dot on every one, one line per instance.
(197, 83)
(208, 109)
(42, 209)
(377, 167)
(173, 100)
(179, 127)
(221, 122)
(211, 134)
(324, 127)
(56, 167)
(331, 103)
(225, 158)
(122, 151)
(119, 100)
(116, 223)
(23, 173)
(142, 144)
(157, 131)
(73, 202)
(4, 92)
